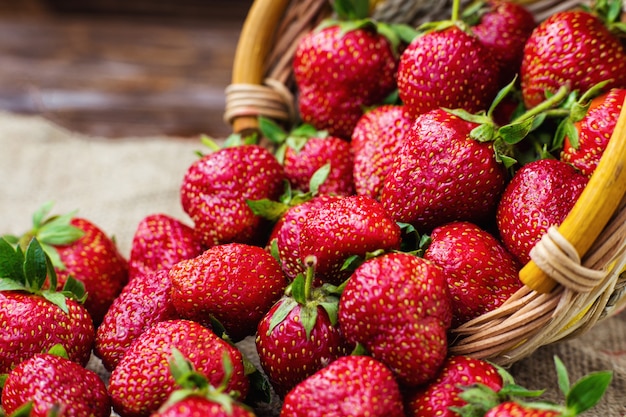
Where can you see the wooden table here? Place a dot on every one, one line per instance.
(123, 72)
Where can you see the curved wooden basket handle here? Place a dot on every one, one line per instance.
(592, 211)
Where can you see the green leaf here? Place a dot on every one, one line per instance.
(59, 234)
(405, 32)
(260, 388)
(272, 131)
(319, 177)
(57, 299)
(332, 309)
(298, 289)
(562, 375)
(286, 306)
(59, 350)
(11, 262)
(588, 391)
(515, 131)
(7, 284)
(54, 256)
(42, 213)
(35, 265)
(478, 118)
(352, 263)
(3, 380)
(24, 410)
(351, 9)
(485, 132)
(75, 289)
(268, 209)
(308, 318)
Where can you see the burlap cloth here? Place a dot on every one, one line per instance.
(117, 182)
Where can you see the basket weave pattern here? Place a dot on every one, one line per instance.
(588, 289)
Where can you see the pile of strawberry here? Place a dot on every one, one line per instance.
(428, 164)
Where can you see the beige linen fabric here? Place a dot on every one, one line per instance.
(117, 182)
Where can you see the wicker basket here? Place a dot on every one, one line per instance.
(575, 278)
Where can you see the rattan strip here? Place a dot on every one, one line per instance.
(272, 100)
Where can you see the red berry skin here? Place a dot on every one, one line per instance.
(339, 229)
(142, 382)
(144, 301)
(513, 409)
(557, 48)
(540, 195)
(376, 139)
(51, 381)
(594, 131)
(235, 283)
(480, 271)
(29, 325)
(450, 61)
(95, 261)
(288, 357)
(441, 175)
(332, 66)
(197, 406)
(436, 398)
(398, 307)
(301, 165)
(355, 386)
(288, 229)
(504, 29)
(159, 242)
(216, 187)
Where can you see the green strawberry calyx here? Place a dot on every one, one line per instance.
(583, 395)
(51, 231)
(192, 383)
(29, 270)
(301, 292)
(610, 13)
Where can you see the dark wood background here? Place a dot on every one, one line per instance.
(118, 68)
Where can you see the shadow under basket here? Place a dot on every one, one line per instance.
(577, 273)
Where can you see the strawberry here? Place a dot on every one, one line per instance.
(502, 26)
(514, 409)
(447, 66)
(440, 174)
(216, 187)
(235, 284)
(35, 318)
(300, 334)
(159, 242)
(195, 396)
(338, 230)
(356, 386)
(79, 248)
(376, 140)
(304, 151)
(144, 301)
(540, 195)
(555, 50)
(334, 62)
(593, 131)
(480, 271)
(397, 306)
(286, 233)
(50, 383)
(436, 398)
(142, 382)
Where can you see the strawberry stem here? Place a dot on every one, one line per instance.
(456, 6)
(308, 278)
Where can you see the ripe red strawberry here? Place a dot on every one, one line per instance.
(80, 249)
(441, 174)
(159, 242)
(557, 48)
(338, 230)
(356, 386)
(142, 382)
(436, 398)
(398, 307)
(480, 272)
(300, 334)
(216, 187)
(54, 383)
(540, 195)
(447, 67)
(331, 67)
(376, 140)
(144, 301)
(35, 318)
(594, 131)
(503, 26)
(287, 230)
(234, 283)
(194, 406)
